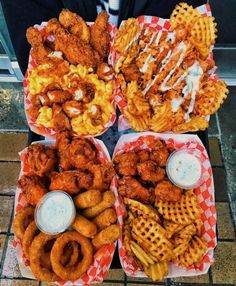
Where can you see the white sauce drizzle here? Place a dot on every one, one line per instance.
(132, 41)
(170, 37)
(56, 54)
(148, 60)
(78, 94)
(93, 109)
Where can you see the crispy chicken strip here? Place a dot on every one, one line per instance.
(100, 35)
(149, 171)
(33, 187)
(131, 188)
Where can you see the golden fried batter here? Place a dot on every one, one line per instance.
(166, 191)
(63, 143)
(41, 159)
(131, 188)
(33, 187)
(149, 171)
(60, 120)
(159, 153)
(72, 108)
(100, 35)
(105, 72)
(75, 24)
(131, 72)
(143, 155)
(125, 164)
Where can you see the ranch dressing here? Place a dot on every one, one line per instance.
(184, 169)
(55, 212)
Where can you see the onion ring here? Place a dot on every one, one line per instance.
(36, 251)
(70, 255)
(74, 272)
(21, 221)
(28, 237)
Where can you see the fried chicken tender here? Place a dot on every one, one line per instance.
(125, 164)
(60, 120)
(100, 35)
(75, 51)
(63, 143)
(71, 181)
(131, 72)
(149, 171)
(72, 108)
(81, 152)
(33, 187)
(166, 191)
(159, 153)
(131, 188)
(75, 24)
(39, 50)
(41, 159)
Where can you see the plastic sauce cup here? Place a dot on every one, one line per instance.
(184, 169)
(55, 212)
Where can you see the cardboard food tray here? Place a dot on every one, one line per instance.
(205, 195)
(50, 132)
(102, 258)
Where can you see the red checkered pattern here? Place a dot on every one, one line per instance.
(205, 195)
(102, 258)
(50, 132)
(157, 23)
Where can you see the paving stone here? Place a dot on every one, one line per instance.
(221, 194)
(213, 129)
(143, 279)
(9, 174)
(11, 144)
(115, 274)
(215, 153)
(10, 267)
(156, 283)
(194, 279)
(18, 282)
(223, 270)
(224, 221)
(2, 243)
(6, 206)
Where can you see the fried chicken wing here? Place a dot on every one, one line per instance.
(75, 24)
(166, 191)
(71, 181)
(131, 72)
(41, 159)
(131, 188)
(33, 187)
(82, 90)
(82, 152)
(39, 50)
(72, 108)
(63, 144)
(108, 172)
(60, 120)
(105, 72)
(150, 171)
(100, 35)
(143, 155)
(159, 153)
(125, 164)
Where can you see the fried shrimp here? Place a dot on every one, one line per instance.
(21, 221)
(74, 272)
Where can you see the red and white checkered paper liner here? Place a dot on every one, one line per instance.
(50, 132)
(102, 258)
(161, 24)
(205, 196)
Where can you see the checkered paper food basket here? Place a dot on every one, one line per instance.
(205, 196)
(102, 258)
(161, 25)
(50, 132)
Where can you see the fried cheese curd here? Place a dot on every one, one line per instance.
(166, 77)
(162, 223)
(71, 87)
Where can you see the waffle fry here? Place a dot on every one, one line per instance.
(172, 228)
(152, 237)
(198, 225)
(182, 212)
(141, 254)
(141, 209)
(126, 35)
(196, 123)
(127, 238)
(213, 95)
(163, 119)
(180, 249)
(138, 123)
(194, 252)
(183, 14)
(185, 235)
(157, 271)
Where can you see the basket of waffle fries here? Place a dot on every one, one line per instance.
(69, 83)
(165, 69)
(65, 222)
(167, 230)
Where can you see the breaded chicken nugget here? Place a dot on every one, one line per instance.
(84, 226)
(107, 235)
(88, 199)
(105, 218)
